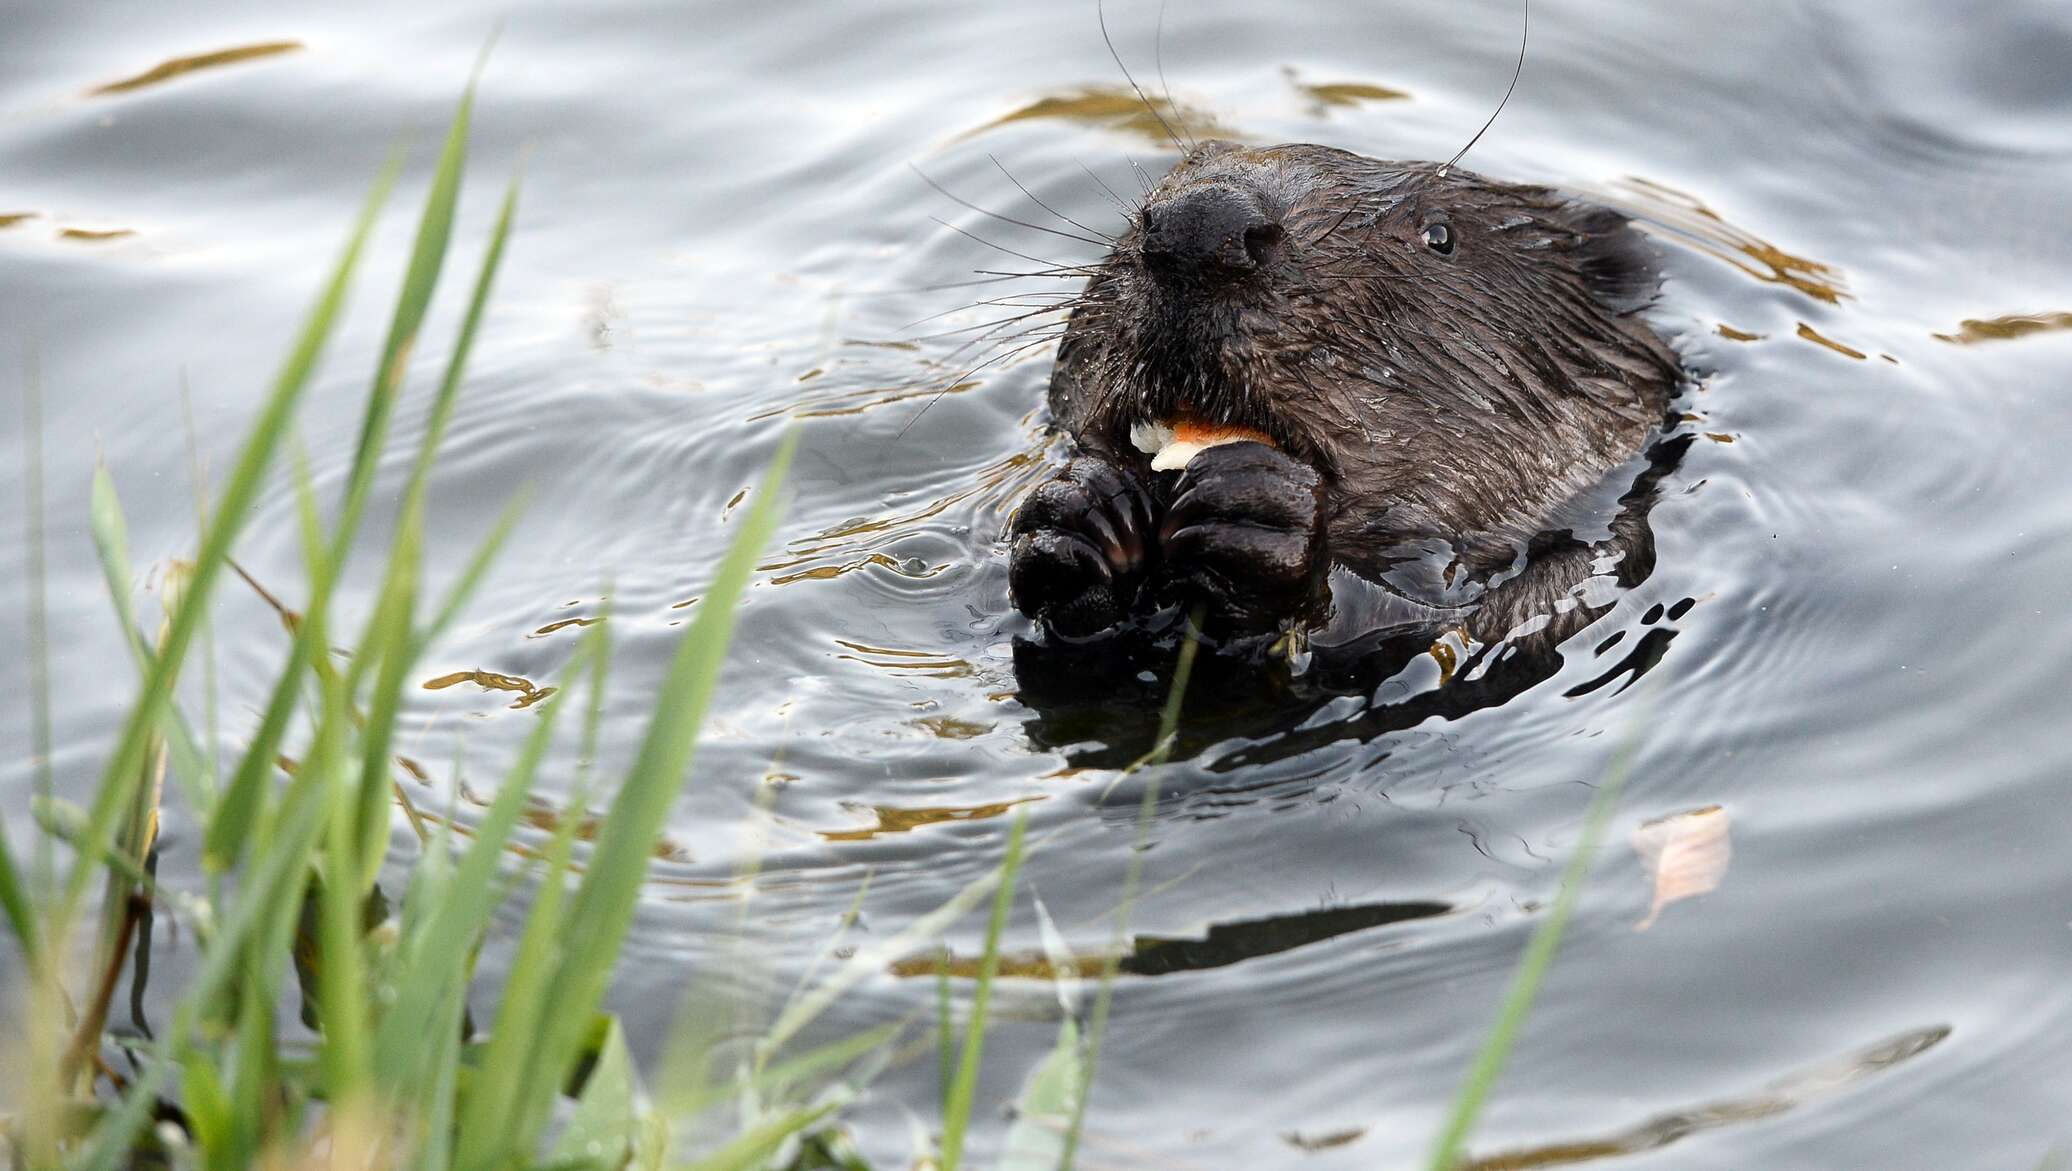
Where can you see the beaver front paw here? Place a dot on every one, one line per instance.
(1081, 547)
(1243, 535)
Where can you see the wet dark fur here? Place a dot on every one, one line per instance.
(1430, 400)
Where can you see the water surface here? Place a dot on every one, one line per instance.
(1854, 641)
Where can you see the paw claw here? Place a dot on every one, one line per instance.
(1244, 533)
(1080, 549)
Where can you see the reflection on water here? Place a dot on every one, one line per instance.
(1223, 945)
(1789, 1093)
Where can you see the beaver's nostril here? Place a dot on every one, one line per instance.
(1217, 226)
(1261, 240)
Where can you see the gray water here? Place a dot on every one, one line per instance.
(1855, 640)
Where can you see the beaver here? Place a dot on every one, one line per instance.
(1298, 363)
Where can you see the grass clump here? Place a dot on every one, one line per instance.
(396, 1075)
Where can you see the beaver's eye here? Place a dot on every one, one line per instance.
(1439, 238)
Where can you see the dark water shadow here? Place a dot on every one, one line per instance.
(1221, 946)
(1788, 1093)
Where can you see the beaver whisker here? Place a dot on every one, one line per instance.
(911, 290)
(986, 340)
(999, 302)
(1158, 63)
(1143, 177)
(958, 379)
(1067, 272)
(1128, 209)
(953, 197)
(1056, 264)
(1039, 203)
(1101, 15)
(985, 329)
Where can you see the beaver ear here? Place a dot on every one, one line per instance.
(1617, 262)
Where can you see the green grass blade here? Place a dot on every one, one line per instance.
(945, 1031)
(471, 575)
(1035, 1140)
(37, 583)
(435, 1147)
(427, 255)
(957, 1116)
(111, 542)
(403, 566)
(870, 961)
(390, 626)
(280, 875)
(241, 809)
(1097, 1026)
(385, 647)
(237, 810)
(770, 1082)
(125, 765)
(14, 887)
(198, 479)
(601, 1128)
(464, 344)
(437, 955)
(341, 975)
(486, 1134)
(757, 1143)
(1532, 967)
(604, 903)
(14, 899)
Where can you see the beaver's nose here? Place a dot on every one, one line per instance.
(1209, 230)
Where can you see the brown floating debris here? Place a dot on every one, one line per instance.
(563, 624)
(1117, 107)
(951, 728)
(892, 820)
(1342, 94)
(1330, 1140)
(1973, 330)
(1814, 336)
(1737, 335)
(176, 66)
(1686, 852)
(528, 692)
(1709, 232)
(9, 219)
(95, 235)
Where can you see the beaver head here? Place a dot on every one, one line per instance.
(1454, 356)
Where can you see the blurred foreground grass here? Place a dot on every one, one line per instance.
(398, 1075)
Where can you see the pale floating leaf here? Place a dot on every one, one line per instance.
(1043, 1112)
(1061, 960)
(1686, 852)
(604, 1130)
